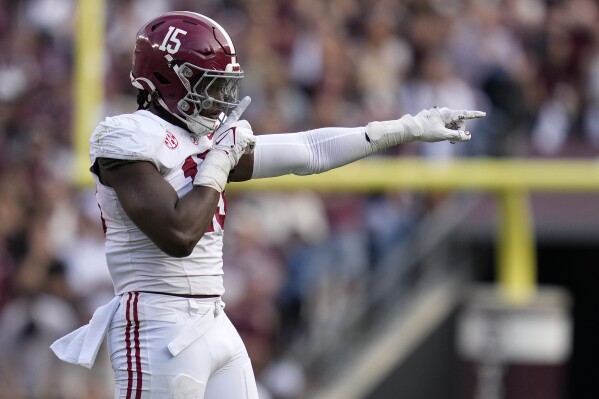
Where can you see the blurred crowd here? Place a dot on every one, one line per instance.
(295, 263)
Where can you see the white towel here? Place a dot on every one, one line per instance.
(81, 346)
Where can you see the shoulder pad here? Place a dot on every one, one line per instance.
(134, 137)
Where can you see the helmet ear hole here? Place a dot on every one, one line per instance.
(207, 103)
(161, 78)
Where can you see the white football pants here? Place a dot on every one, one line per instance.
(164, 346)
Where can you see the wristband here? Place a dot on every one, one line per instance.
(387, 134)
(214, 171)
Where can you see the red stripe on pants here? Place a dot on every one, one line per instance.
(128, 346)
(137, 348)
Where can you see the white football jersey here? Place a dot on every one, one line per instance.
(134, 261)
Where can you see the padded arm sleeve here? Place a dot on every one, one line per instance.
(309, 152)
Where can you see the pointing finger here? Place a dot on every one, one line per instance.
(239, 109)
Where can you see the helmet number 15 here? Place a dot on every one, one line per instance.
(171, 43)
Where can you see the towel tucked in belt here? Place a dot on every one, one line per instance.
(81, 346)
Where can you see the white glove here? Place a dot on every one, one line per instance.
(235, 137)
(231, 140)
(429, 125)
(235, 140)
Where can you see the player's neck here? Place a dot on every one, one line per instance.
(167, 116)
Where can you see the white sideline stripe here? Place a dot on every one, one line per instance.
(401, 337)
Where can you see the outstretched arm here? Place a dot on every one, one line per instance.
(319, 150)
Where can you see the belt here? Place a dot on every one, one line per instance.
(182, 295)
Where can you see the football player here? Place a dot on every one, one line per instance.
(161, 174)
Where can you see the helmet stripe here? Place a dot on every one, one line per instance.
(222, 30)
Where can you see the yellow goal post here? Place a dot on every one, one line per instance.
(88, 86)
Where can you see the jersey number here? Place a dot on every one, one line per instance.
(171, 43)
(218, 220)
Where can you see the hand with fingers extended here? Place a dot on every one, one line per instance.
(429, 125)
(438, 124)
(233, 139)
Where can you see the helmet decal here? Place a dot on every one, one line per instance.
(171, 43)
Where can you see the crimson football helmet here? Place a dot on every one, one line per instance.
(188, 63)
